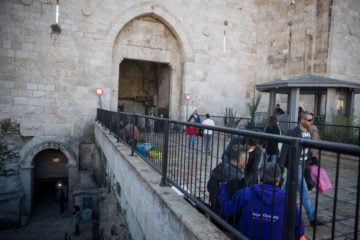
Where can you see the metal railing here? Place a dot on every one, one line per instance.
(328, 132)
(185, 164)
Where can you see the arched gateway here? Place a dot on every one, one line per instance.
(28, 155)
(149, 52)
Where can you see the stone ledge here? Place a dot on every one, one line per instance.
(159, 211)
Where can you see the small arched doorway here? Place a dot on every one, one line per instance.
(32, 156)
(50, 177)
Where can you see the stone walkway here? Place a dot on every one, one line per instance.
(48, 223)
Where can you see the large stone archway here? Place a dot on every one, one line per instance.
(125, 46)
(27, 155)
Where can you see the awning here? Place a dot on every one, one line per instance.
(307, 82)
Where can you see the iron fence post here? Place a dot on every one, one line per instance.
(165, 154)
(132, 133)
(117, 127)
(291, 189)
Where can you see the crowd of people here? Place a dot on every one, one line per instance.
(247, 189)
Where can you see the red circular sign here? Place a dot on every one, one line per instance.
(187, 96)
(99, 91)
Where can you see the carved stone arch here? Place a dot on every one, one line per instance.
(27, 155)
(158, 11)
(177, 69)
(36, 145)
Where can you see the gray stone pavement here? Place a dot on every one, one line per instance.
(342, 211)
(48, 223)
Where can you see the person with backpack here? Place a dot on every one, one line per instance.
(227, 171)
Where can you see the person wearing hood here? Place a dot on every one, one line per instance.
(260, 207)
(227, 171)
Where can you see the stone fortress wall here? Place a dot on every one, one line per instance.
(217, 50)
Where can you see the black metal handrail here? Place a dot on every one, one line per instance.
(164, 145)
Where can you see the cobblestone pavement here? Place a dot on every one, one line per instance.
(343, 213)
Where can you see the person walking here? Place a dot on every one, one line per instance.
(301, 131)
(62, 200)
(207, 135)
(75, 219)
(272, 149)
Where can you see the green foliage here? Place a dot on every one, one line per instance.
(341, 130)
(342, 120)
(253, 106)
(230, 118)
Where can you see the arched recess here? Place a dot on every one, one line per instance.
(119, 53)
(27, 155)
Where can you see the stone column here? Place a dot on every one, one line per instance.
(330, 105)
(26, 175)
(294, 104)
(272, 99)
(72, 175)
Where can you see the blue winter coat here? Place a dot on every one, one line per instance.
(260, 210)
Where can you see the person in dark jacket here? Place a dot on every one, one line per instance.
(62, 200)
(255, 157)
(301, 131)
(196, 117)
(75, 219)
(227, 171)
(260, 207)
(236, 140)
(272, 149)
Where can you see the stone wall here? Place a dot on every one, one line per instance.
(151, 211)
(217, 51)
(344, 53)
(11, 189)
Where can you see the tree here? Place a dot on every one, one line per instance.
(253, 106)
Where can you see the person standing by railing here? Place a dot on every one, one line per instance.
(192, 133)
(208, 132)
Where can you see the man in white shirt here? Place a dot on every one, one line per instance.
(207, 135)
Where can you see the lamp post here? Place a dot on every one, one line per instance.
(99, 92)
(187, 98)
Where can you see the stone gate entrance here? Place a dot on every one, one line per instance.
(46, 162)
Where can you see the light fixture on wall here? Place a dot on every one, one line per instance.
(224, 43)
(55, 28)
(56, 159)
